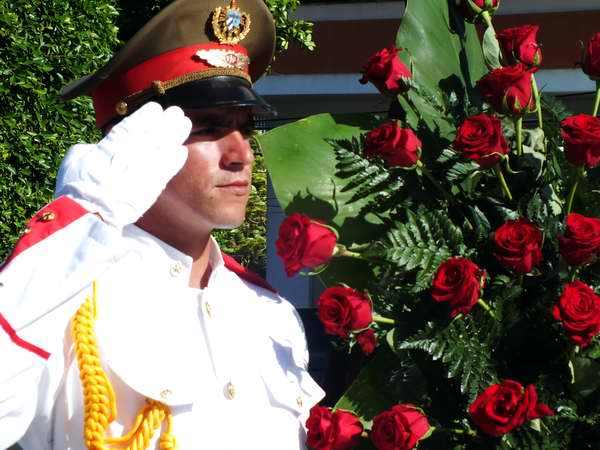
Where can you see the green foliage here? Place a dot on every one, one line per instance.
(44, 44)
(365, 177)
(289, 30)
(464, 349)
(529, 439)
(422, 242)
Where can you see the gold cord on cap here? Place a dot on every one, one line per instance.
(131, 102)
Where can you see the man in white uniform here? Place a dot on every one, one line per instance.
(122, 325)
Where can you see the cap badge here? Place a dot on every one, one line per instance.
(229, 24)
(224, 58)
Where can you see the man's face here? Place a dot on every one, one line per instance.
(212, 188)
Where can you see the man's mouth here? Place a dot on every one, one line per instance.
(239, 187)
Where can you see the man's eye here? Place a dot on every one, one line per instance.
(204, 131)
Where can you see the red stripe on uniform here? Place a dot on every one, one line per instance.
(21, 342)
(246, 274)
(51, 218)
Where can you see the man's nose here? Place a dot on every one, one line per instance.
(237, 151)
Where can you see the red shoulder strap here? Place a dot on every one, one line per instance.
(47, 221)
(246, 274)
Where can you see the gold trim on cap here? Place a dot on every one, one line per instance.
(130, 103)
(229, 24)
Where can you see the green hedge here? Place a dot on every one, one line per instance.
(44, 45)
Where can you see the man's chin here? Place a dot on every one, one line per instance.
(230, 224)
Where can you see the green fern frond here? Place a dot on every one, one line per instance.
(423, 242)
(463, 351)
(366, 178)
(526, 438)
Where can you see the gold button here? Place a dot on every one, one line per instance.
(176, 269)
(230, 388)
(208, 309)
(166, 394)
(299, 401)
(48, 216)
(121, 108)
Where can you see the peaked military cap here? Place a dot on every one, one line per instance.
(194, 54)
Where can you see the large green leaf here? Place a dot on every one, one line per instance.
(302, 165)
(447, 60)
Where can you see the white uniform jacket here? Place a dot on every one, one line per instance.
(230, 360)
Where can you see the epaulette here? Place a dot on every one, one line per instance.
(47, 221)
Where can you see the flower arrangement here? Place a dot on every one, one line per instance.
(458, 243)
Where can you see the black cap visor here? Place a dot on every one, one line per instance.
(216, 92)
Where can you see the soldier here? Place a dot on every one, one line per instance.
(122, 325)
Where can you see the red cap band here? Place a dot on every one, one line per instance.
(167, 66)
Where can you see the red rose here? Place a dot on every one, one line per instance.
(342, 310)
(503, 407)
(458, 281)
(579, 311)
(508, 90)
(367, 341)
(399, 147)
(480, 138)
(518, 245)
(519, 45)
(472, 9)
(399, 428)
(304, 242)
(387, 72)
(581, 242)
(581, 134)
(332, 431)
(591, 59)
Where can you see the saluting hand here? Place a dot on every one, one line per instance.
(122, 176)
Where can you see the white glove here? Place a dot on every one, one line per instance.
(122, 176)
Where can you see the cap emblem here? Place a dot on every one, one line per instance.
(229, 24)
(224, 58)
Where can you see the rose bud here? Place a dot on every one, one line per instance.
(591, 58)
(399, 147)
(367, 341)
(328, 430)
(304, 242)
(581, 242)
(581, 134)
(508, 90)
(387, 72)
(480, 138)
(503, 407)
(519, 45)
(343, 310)
(579, 311)
(517, 245)
(458, 281)
(472, 9)
(399, 428)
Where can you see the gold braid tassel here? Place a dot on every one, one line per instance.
(100, 406)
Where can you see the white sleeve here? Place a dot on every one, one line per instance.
(40, 290)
